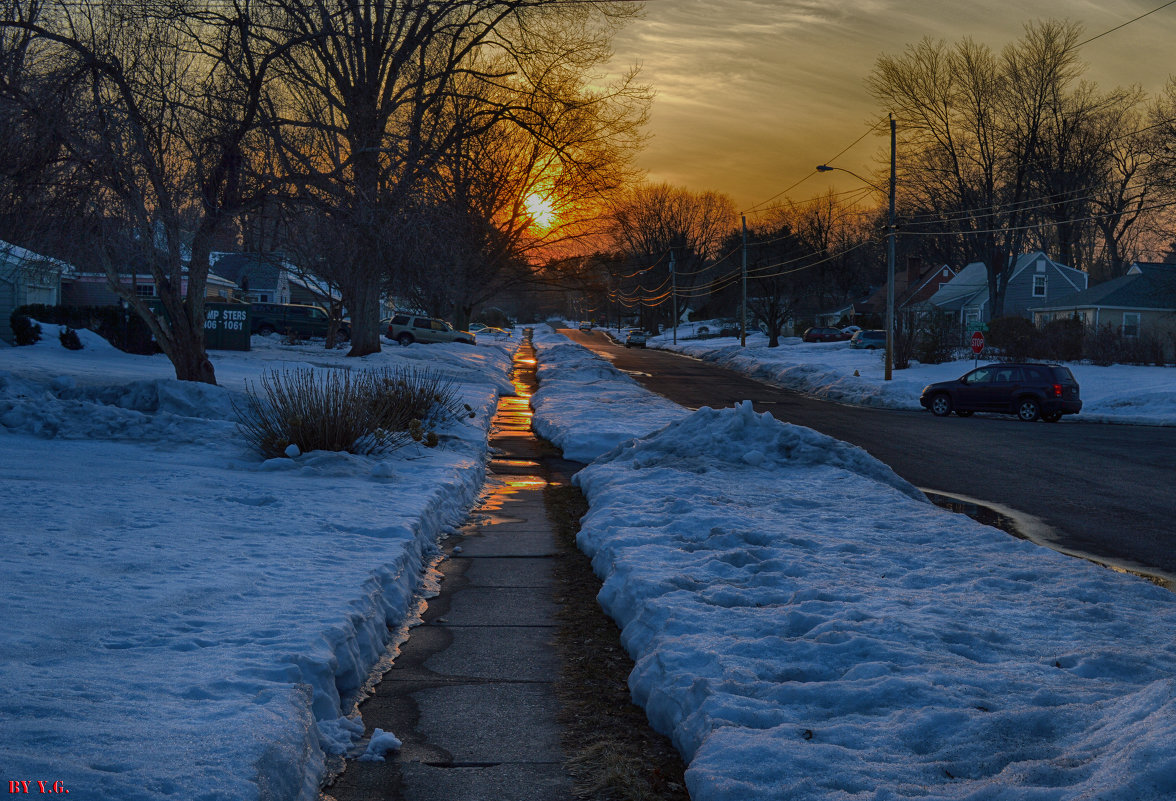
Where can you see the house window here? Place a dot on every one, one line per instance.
(145, 290)
(1039, 286)
(263, 298)
(1130, 324)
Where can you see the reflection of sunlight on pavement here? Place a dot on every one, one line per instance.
(508, 477)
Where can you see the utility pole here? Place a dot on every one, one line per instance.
(674, 291)
(743, 311)
(890, 234)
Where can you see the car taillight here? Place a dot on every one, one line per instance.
(1057, 390)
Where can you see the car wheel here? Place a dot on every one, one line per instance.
(963, 413)
(941, 405)
(405, 339)
(1028, 410)
(1052, 417)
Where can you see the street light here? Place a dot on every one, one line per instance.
(890, 234)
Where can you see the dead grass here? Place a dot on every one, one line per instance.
(613, 754)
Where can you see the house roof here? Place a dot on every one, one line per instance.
(969, 289)
(262, 270)
(970, 283)
(1147, 285)
(14, 258)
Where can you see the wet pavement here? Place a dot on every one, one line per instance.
(471, 694)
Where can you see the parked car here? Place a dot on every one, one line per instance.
(824, 335)
(635, 338)
(409, 328)
(585, 326)
(1029, 391)
(869, 340)
(293, 318)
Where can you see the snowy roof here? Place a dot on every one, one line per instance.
(14, 258)
(965, 288)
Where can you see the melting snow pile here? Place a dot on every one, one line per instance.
(586, 406)
(807, 627)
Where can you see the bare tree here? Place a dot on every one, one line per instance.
(367, 110)
(975, 135)
(651, 224)
(173, 94)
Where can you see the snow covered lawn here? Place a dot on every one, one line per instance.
(181, 619)
(806, 626)
(1115, 394)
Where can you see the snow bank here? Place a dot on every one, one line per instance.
(805, 626)
(1115, 394)
(181, 618)
(585, 406)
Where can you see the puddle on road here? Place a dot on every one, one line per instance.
(1027, 527)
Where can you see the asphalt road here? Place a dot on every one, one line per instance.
(1107, 492)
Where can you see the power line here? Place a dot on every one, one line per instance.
(1128, 22)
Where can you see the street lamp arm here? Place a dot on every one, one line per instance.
(827, 168)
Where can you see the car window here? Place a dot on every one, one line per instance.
(1007, 375)
(981, 376)
(441, 325)
(421, 322)
(1063, 374)
(400, 319)
(1035, 374)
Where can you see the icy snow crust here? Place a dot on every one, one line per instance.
(806, 626)
(1115, 394)
(182, 619)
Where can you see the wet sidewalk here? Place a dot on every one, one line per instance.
(471, 694)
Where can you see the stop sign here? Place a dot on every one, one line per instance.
(977, 343)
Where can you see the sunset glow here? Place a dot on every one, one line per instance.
(540, 210)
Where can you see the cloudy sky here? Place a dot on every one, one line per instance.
(752, 94)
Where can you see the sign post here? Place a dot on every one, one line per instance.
(977, 347)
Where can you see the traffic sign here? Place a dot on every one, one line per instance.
(977, 343)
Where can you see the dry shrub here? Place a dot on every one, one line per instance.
(363, 412)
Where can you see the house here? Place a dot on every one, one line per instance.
(913, 287)
(307, 289)
(93, 289)
(1140, 303)
(1036, 279)
(26, 278)
(258, 277)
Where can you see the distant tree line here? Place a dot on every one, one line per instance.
(397, 146)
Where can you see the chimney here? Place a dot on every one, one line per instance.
(914, 270)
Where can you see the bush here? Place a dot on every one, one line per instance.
(1014, 337)
(69, 338)
(362, 412)
(25, 331)
(937, 338)
(1102, 346)
(1061, 340)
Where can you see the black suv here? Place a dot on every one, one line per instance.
(1029, 391)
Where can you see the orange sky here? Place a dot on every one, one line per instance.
(752, 94)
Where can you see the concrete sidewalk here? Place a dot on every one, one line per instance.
(471, 694)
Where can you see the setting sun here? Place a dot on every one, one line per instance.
(541, 211)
